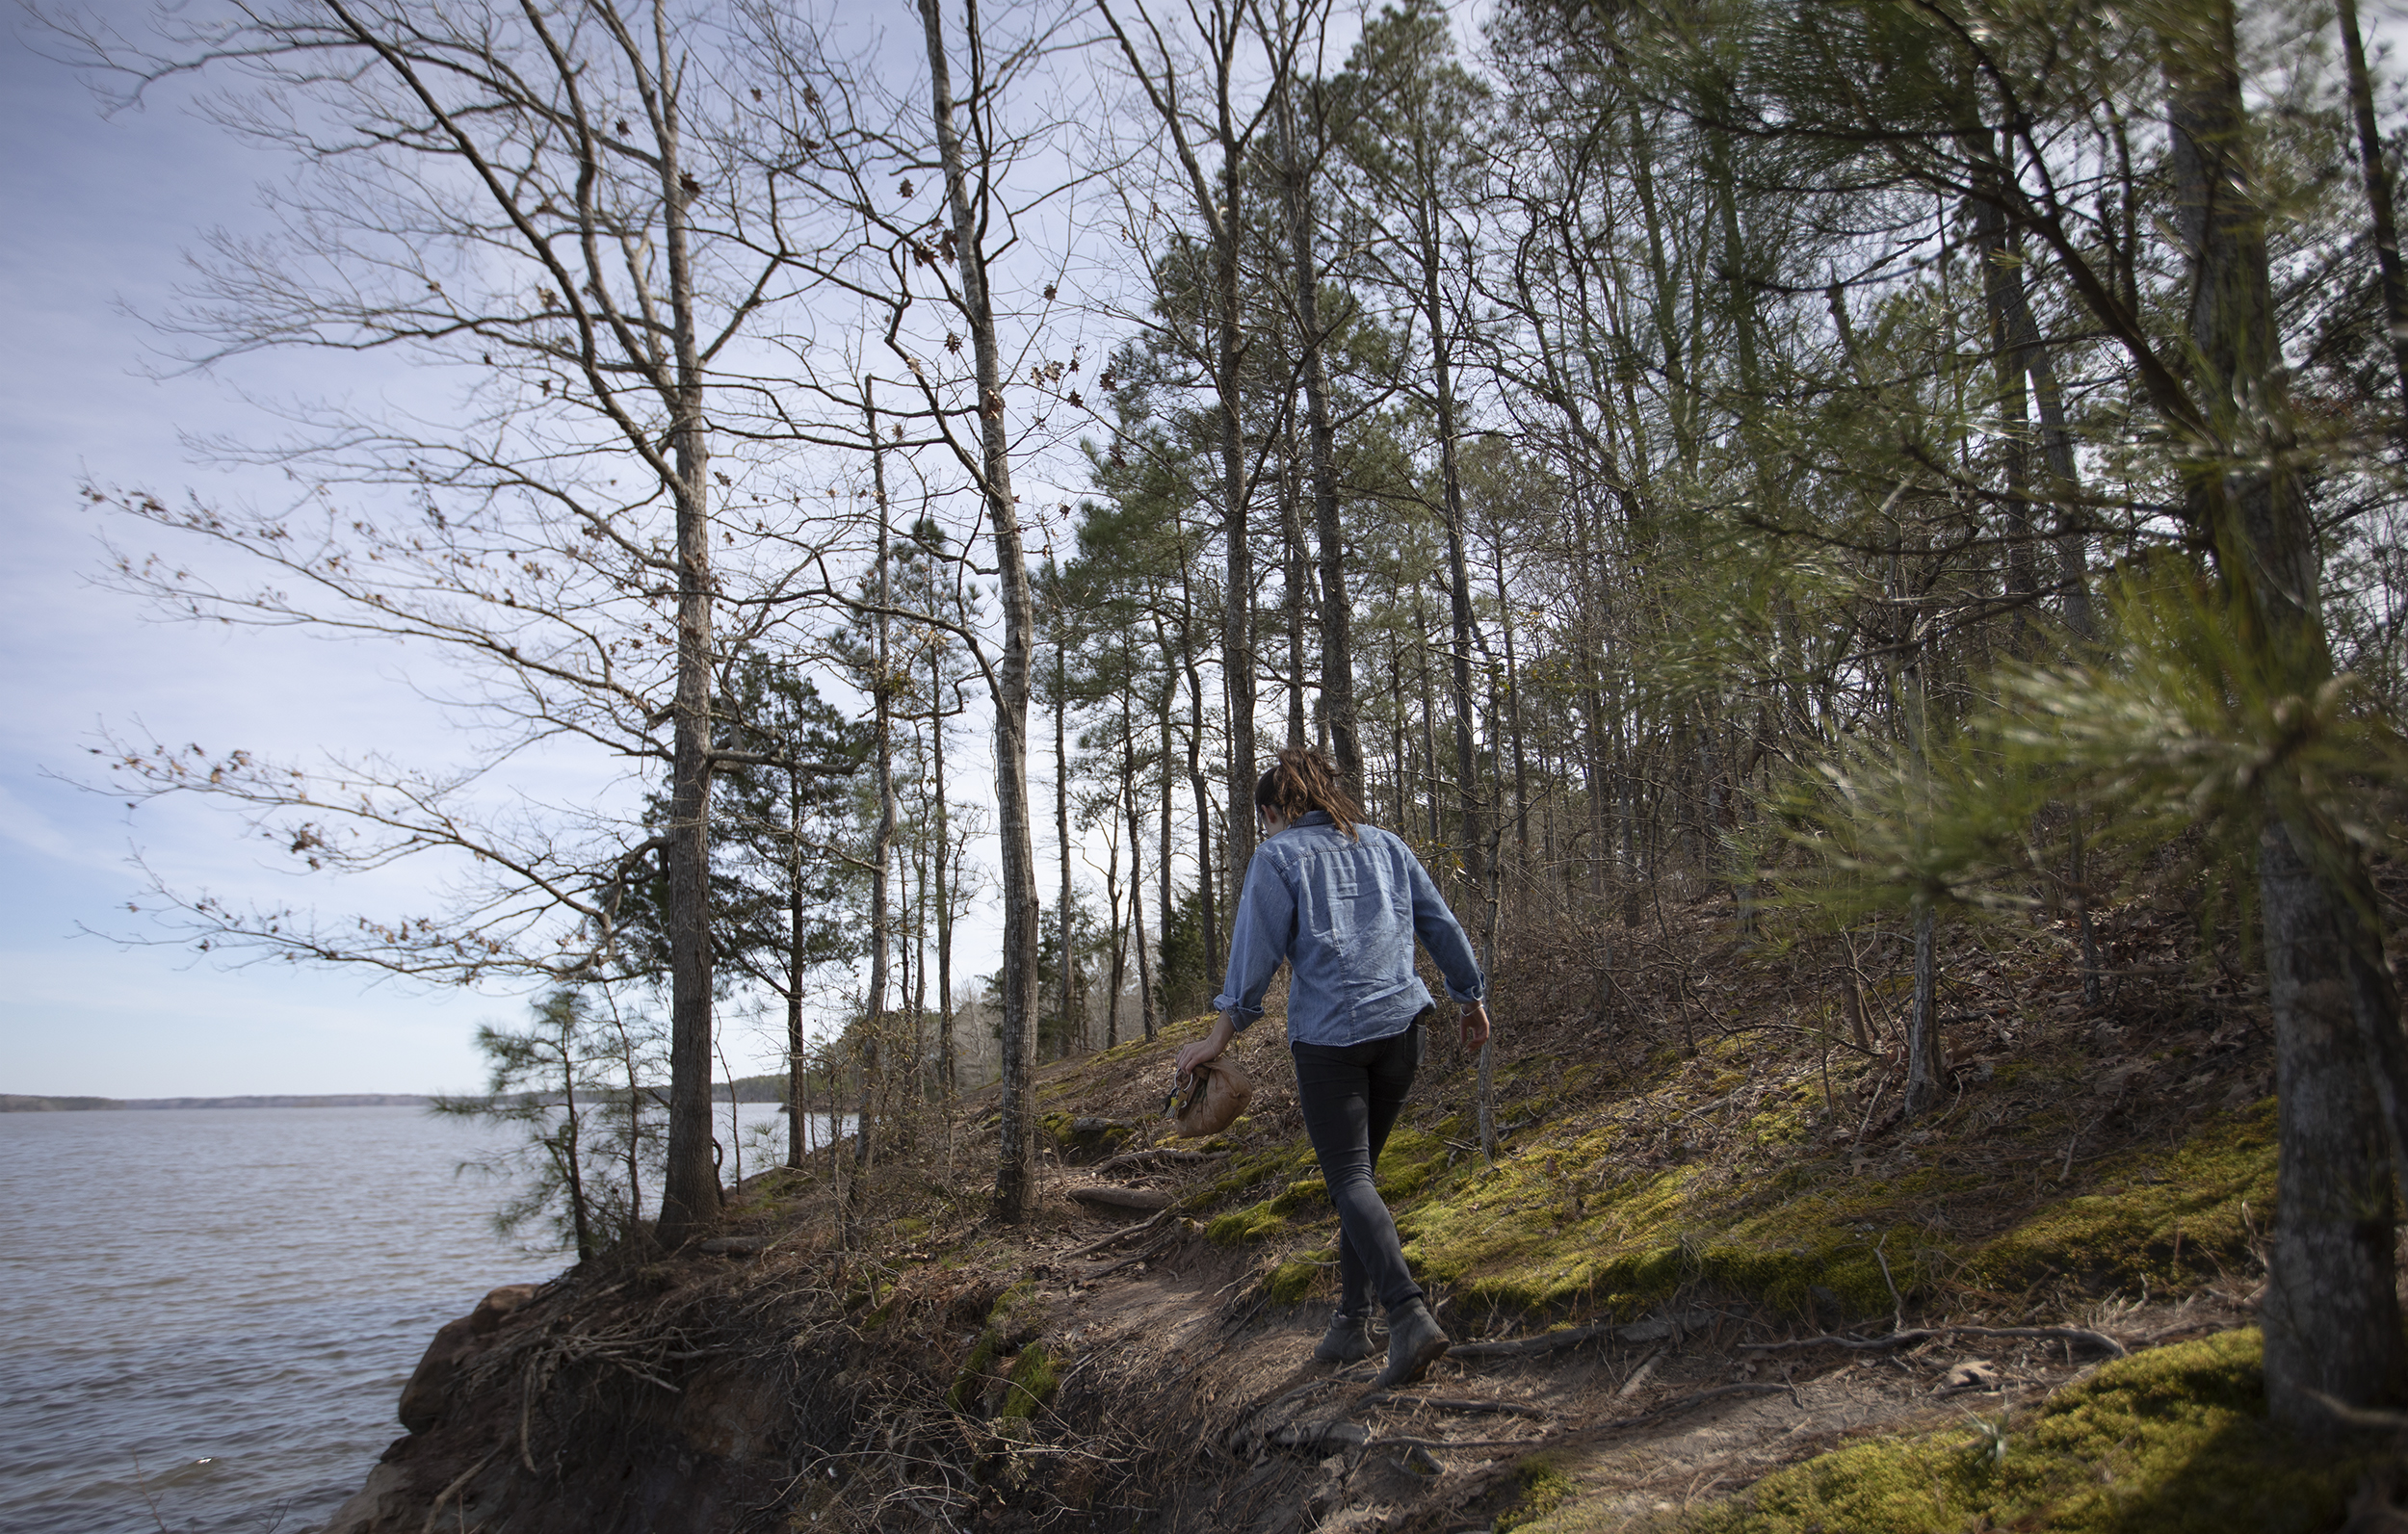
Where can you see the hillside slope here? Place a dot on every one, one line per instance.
(1706, 1260)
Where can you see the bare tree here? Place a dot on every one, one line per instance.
(1230, 126)
(970, 191)
(552, 204)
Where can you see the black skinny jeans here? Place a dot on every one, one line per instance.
(1351, 1095)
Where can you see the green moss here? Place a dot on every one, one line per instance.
(1583, 1214)
(1301, 1195)
(1409, 1164)
(1537, 1229)
(964, 1393)
(1097, 1139)
(1033, 1380)
(1297, 1277)
(2162, 1216)
(2174, 1440)
(1411, 1161)
(1000, 1313)
(1256, 1222)
(1245, 1172)
(992, 1344)
(1567, 1223)
(1542, 1486)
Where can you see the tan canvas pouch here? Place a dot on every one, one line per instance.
(1220, 1092)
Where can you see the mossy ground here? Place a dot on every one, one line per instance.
(1749, 1172)
(1032, 1382)
(994, 1341)
(1541, 1486)
(2174, 1440)
(1741, 1157)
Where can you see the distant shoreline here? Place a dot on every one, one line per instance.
(20, 1103)
(744, 1089)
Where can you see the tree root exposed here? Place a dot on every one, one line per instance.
(1571, 1336)
(1444, 1403)
(1121, 1234)
(1925, 1334)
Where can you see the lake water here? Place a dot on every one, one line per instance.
(207, 1315)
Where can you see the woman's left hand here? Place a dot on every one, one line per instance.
(1475, 1021)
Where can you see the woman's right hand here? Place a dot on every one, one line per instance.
(1207, 1049)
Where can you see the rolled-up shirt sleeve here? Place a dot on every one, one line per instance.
(1260, 937)
(1435, 924)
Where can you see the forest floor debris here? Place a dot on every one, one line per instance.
(1704, 1258)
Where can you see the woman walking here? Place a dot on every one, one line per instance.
(1341, 903)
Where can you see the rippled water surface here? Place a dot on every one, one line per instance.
(231, 1297)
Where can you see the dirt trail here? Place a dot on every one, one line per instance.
(1653, 1415)
(866, 1348)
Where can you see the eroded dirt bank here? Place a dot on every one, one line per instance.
(1705, 1251)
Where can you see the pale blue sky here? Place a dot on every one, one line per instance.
(99, 212)
(119, 199)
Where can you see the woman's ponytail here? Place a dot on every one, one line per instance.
(1302, 780)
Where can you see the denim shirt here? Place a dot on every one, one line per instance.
(1343, 911)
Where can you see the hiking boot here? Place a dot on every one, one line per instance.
(1348, 1338)
(1414, 1343)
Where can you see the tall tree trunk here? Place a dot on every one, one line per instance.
(882, 836)
(920, 870)
(1926, 1058)
(948, 1067)
(1292, 539)
(2332, 1316)
(1628, 749)
(1207, 868)
(1137, 862)
(1338, 710)
(1120, 944)
(2032, 358)
(690, 1191)
(1430, 738)
(797, 1109)
(2375, 172)
(1514, 719)
(1062, 825)
(1458, 565)
(1237, 643)
(2029, 359)
(2020, 582)
(1015, 1169)
(1400, 794)
(1147, 1017)
(1162, 852)
(1219, 206)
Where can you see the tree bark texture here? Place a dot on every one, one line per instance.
(1015, 1167)
(948, 1069)
(798, 1107)
(1070, 1030)
(1236, 639)
(2331, 1318)
(1338, 710)
(2375, 172)
(689, 1193)
(882, 833)
(2333, 1321)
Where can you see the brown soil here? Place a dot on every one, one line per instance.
(893, 1360)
